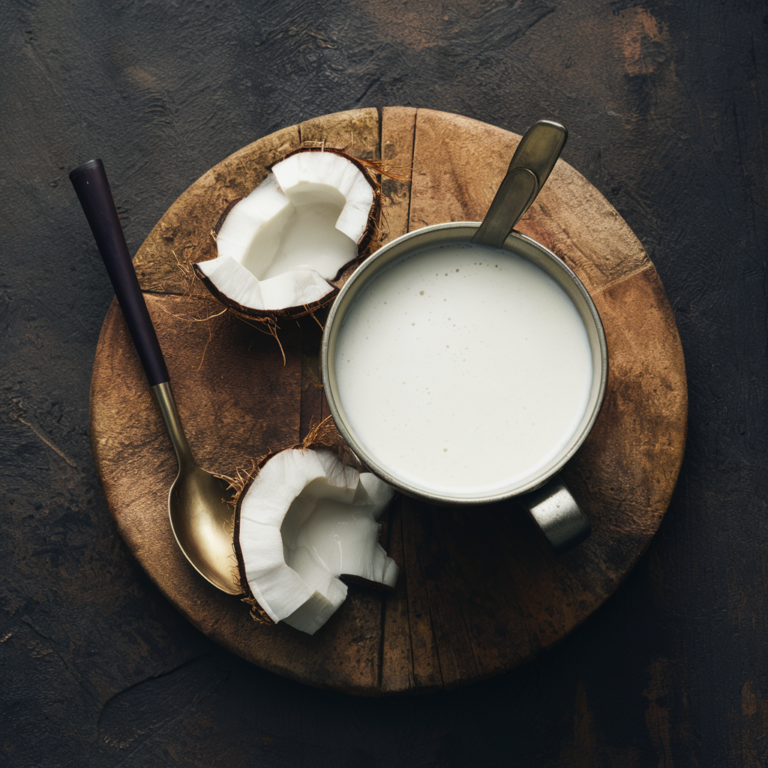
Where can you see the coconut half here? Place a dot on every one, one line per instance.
(283, 249)
(306, 520)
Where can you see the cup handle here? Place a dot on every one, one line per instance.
(555, 511)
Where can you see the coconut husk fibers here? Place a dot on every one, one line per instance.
(478, 593)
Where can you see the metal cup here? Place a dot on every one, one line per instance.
(546, 497)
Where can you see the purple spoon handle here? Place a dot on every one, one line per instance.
(90, 183)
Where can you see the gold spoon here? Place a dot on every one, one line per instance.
(201, 519)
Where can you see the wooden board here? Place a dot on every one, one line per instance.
(479, 593)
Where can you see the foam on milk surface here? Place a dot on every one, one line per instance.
(462, 369)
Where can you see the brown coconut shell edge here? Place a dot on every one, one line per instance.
(271, 316)
(323, 436)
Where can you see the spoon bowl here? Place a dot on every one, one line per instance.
(202, 522)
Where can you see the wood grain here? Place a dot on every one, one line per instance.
(479, 593)
(398, 133)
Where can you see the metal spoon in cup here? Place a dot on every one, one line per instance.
(201, 519)
(533, 161)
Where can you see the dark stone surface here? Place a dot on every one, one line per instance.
(665, 103)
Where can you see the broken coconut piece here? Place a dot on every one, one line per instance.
(305, 520)
(283, 248)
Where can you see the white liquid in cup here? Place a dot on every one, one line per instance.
(463, 369)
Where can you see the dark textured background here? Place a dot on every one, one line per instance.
(666, 104)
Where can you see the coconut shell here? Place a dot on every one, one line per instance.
(369, 169)
(324, 436)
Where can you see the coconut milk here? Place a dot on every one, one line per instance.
(463, 369)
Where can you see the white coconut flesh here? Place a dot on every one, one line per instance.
(281, 245)
(304, 521)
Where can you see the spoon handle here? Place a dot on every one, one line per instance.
(531, 165)
(90, 183)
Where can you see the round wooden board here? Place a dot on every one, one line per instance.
(479, 593)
